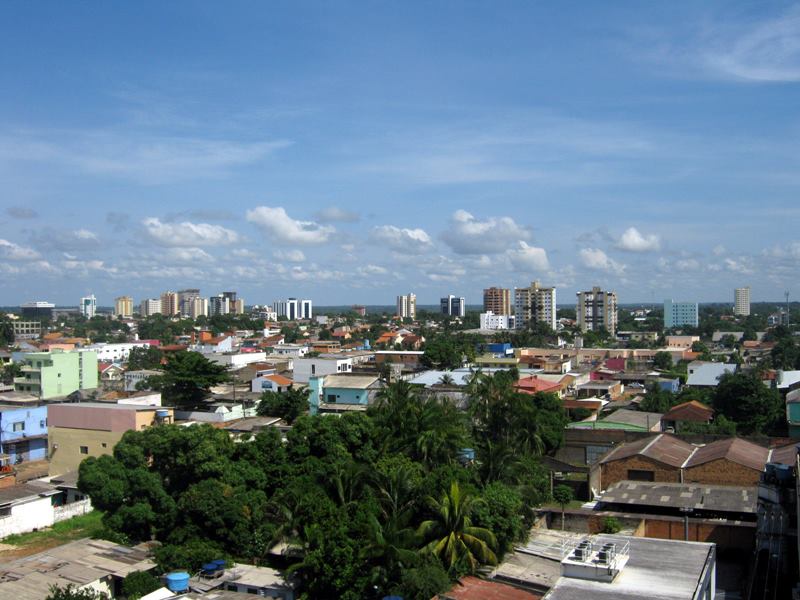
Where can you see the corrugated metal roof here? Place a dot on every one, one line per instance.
(735, 450)
(689, 411)
(662, 448)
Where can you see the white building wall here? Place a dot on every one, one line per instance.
(27, 516)
(305, 368)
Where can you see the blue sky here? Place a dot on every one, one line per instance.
(349, 152)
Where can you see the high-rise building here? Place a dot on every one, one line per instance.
(197, 307)
(535, 304)
(185, 299)
(677, 314)
(453, 306)
(305, 309)
(219, 305)
(597, 310)
(360, 310)
(741, 301)
(170, 304)
(123, 307)
(407, 306)
(238, 306)
(491, 321)
(288, 308)
(37, 310)
(88, 306)
(497, 301)
(150, 306)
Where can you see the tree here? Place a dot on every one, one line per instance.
(501, 512)
(451, 536)
(139, 583)
(287, 405)
(11, 370)
(662, 360)
(6, 332)
(744, 399)
(187, 379)
(611, 525)
(72, 592)
(144, 358)
(563, 495)
(325, 334)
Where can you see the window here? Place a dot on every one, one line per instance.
(641, 475)
(252, 590)
(103, 444)
(18, 426)
(43, 423)
(84, 449)
(331, 398)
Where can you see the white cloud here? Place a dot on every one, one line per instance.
(368, 270)
(718, 250)
(414, 241)
(188, 255)
(12, 251)
(188, 234)
(281, 227)
(334, 214)
(633, 241)
(594, 258)
(529, 258)
(740, 265)
(468, 235)
(290, 255)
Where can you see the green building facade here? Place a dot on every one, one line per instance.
(57, 373)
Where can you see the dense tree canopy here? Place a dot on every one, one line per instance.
(287, 405)
(187, 379)
(744, 399)
(361, 498)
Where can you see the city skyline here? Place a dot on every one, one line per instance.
(350, 155)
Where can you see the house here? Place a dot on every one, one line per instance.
(306, 368)
(687, 412)
(331, 391)
(535, 385)
(610, 388)
(409, 359)
(57, 374)
(240, 579)
(270, 382)
(707, 374)
(31, 506)
(793, 413)
(98, 565)
(77, 431)
(134, 377)
(624, 419)
(111, 375)
(23, 432)
(118, 352)
(733, 461)
(215, 345)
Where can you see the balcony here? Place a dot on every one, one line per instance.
(30, 369)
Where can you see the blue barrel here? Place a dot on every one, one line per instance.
(209, 568)
(220, 564)
(178, 581)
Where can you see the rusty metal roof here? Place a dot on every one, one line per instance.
(662, 448)
(735, 450)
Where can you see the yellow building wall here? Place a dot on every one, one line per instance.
(65, 446)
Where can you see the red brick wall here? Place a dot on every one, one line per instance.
(721, 472)
(617, 470)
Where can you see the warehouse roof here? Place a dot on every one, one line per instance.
(662, 448)
(735, 450)
(718, 498)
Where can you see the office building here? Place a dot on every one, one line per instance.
(57, 373)
(150, 307)
(186, 298)
(88, 306)
(219, 305)
(680, 314)
(37, 310)
(596, 310)
(497, 301)
(741, 302)
(535, 304)
(123, 307)
(453, 306)
(407, 306)
(170, 305)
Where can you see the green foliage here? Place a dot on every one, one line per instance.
(448, 352)
(786, 354)
(423, 582)
(161, 327)
(287, 405)
(563, 495)
(9, 371)
(662, 360)
(187, 379)
(139, 583)
(144, 358)
(72, 592)
(745, 400)
(501, 512)
(187, 556)
(6, 331)
(611, 525)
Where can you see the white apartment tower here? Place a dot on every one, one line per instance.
(597, 310)
(741, 301)
(535, 304)
(407, 306)
(150, 306)
(88, 306)
(293, 309)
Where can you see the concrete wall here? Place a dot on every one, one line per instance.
(27, 516)
(345, 396)
(67, 511)
(65, 446)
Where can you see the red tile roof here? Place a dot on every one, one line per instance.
(532, 385)
(472, 588)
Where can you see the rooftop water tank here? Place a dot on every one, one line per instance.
(162, 413)
(177, 581)
(220, 563)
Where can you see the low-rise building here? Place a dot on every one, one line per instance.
(57, 374)
(332, 391)
(306, 368)
(134, 377)
(23, 432)
(707, 374)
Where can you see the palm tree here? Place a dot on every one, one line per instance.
(451, 536)
(446, 379)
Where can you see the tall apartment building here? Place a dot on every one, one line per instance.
(677, 314)
(150, 306)
(596, 310)
(407, 306)
(293, 309)
(88, 306)
(185, 299)
(238, 307)
(741, 301)
(497, 301)
(123, 307)
(57, 373)
(196, 307)
(453, 306)
(219, 305)
(535, 304)
(170, 304)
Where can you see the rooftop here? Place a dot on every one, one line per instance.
(352, 382)
(717, 498)
(735, 450)
(663, 448)
(635, 418)
(707, 373)
(472, 588)
(689, 411)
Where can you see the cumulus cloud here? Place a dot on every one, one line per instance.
(274, 222)
(368, 270)
(21, 212)
(334, 214)
(596, 259)
(405, 240)
(49, 238)
(12, 251)
(188, 255)
(468, 235)
(529, 258)
(188, 234)
(633, 241)
(290, 255)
